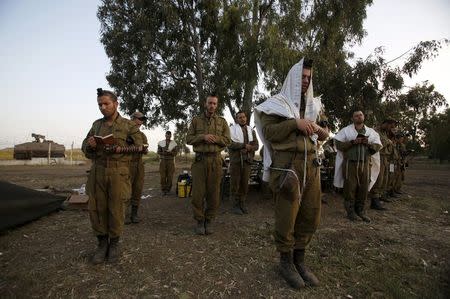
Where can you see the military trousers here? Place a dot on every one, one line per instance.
(166, 171)
(239, 175)
(380, 186)
(356, 184)
(137, 174)
(399, 176)
(297, 211)
(109, 190)
(206, 177)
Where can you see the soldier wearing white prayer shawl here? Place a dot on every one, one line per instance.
(286, 124)
(242, 151)
(357, 164)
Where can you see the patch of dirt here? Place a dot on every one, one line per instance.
(403, 253)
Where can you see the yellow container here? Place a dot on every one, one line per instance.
(184, 189)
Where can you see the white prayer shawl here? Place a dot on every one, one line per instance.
(287, 104)
(345, 135)
(172, 144)
(237, 135)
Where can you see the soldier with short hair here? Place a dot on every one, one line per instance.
(167, 151)
(242, 151)
(209, 135)
(357, 164)
(108, 185)
(137, 172)
(287, 125)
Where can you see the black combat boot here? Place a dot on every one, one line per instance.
(134, 214)
(200, 227)
(114, 250)
(237, 207)
(385, 198)
(305, 273)
(350, 209)
(100, 253)
(209, 227)
(363, 216)
(243, 206)
(128, 215)
(288, 271)
(376, 204)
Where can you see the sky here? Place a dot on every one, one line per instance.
(52, 61)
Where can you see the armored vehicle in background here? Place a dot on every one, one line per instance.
(39, 148)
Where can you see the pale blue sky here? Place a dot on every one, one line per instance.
(51, 61)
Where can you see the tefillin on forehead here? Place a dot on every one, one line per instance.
(101, 92)
(307, 63)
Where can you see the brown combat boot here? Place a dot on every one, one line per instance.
(114, 250)
(288, 271)
(100, 253)
(200, 227)
(305, 273)
(134, 214)
(209, 227)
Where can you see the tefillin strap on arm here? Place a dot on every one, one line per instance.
(129, 149)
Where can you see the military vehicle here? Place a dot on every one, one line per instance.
(38, 148)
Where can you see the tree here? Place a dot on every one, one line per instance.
(165, 55)
(437, 135)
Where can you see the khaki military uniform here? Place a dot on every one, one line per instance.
(240, 166)
(137, 174)
(399, 174)
(207, 167)
(108, 185)
(356, 173)
(295, 220)
(166, 166)
(379, 189)
(394, 160)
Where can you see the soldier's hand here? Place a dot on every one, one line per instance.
(305, 126)
(248, 147)
(91, 142)
(365, 141)
(209, 138)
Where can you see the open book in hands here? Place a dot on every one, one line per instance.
(108, 139)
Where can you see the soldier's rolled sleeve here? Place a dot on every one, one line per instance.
(276, 131)
(87, 150)
(236, 146)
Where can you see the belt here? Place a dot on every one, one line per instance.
(208, 154)
(112, 164)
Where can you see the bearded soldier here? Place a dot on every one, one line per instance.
(287, 125)
(357, 164)
(209, 135)
(242, 151)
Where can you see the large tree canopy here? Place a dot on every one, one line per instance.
(165, 55)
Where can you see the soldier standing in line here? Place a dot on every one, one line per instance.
(242, 152)
(167, 151)
(393, 165)
(286, 124)
(401, 163)
(108, 185)
(137, 172)
(209, 135)
(357, 164)
(378, 191)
